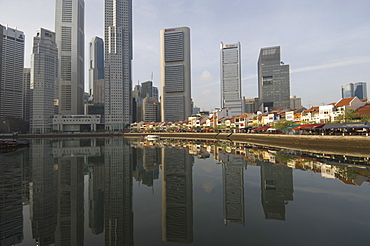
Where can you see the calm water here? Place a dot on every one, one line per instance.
(116, 192)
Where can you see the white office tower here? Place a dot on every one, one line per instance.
(117, 68)
(11, 72)
(70, 38)
(175, 74)
(231, 96)
(44, 81)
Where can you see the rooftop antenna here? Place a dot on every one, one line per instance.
(151, 77)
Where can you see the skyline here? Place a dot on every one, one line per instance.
(326, 52)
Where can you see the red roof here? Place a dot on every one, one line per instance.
(364, 111)
(261, 128)
(344, 101)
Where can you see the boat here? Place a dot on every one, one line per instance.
(152, 137)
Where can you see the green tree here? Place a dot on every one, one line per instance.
(282, 123)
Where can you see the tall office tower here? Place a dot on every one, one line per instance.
(175, 74)
(70, 38)
(26, 94)
(358, 89)
(177, 195)
(137, 104)
(150, 109)
(96, 70)
(273, 80)
(231, 95)
(44, 81)
(43, 190)
(117, 69)
(147, 89)
(347, 90)
(11, 65)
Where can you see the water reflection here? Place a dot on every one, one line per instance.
(49, 178)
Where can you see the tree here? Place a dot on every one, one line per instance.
(348, 115)
(282, 123)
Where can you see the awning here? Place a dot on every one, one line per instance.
(289, 127)
(347, 125)
(308, 126)
(261, 128)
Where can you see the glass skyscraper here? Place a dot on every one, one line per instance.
(273, 80)
(96, 70)
(358, 89)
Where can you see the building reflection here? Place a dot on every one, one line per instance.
(233, 167)
(177, 195)
(276, 189)
(146, 164)
(43, 192)
(69, 156)
(11, 207)
(118, 193)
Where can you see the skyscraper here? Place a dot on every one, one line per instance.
(358, 89)
(117, 69)
(26, 94)
(273, 80)
(70, 38)
(96, 70)
(150, 109)
(44, 80)
(11, 72)
(175, 74)
(230, 67)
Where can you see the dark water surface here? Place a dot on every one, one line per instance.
(110, 191)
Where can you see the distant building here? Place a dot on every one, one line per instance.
(11, 72)
(96, 70)
(176, 74)
(273, 80)
(251, 105)
(147, 89)
(150, 109)
(196, 110)
(44, 80)
(155, 93)
(70, 38)
(231, 96)
(295, 102)
(358, 89)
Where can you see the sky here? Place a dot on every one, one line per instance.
(325, 42)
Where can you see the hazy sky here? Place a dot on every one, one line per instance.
(325, 42)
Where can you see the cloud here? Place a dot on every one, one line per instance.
(356, 61)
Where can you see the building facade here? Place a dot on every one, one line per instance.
(150, 109)
(11, 72)
(44, 81)
(273, 80)
(175, 74)
(117, 69)
(70, 38)
(96, 70)
(26, 94)
(295, 102)
(230, 67)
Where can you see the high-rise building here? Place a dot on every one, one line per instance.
(147, 89)
(150, 109)
(96, 70)
(175, 74)
(11, 72)
(358, 89)
(273, 80)
(155, 92)
(44, 81)
(26, 94)
(70, 38)
(117, 69)
(295, 102)
(230, 67)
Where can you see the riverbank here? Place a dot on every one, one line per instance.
(347, 145)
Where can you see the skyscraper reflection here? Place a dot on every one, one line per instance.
(11, 214)
(43, 190)
(277, 189)
(118, 193)
(177, 196)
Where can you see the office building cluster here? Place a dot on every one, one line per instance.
(50, 95)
